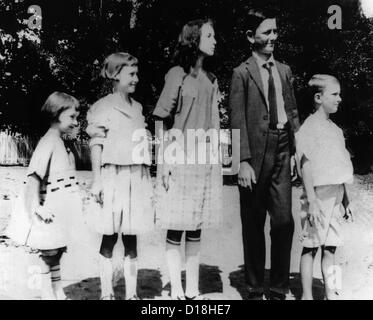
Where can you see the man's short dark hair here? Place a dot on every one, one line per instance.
(256, 16)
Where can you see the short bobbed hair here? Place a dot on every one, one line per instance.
(115, 62)
(57, 103)
(187, 49)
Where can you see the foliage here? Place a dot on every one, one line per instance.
(76, 35)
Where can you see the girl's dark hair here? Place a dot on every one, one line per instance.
(187, 49)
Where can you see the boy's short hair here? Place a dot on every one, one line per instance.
(114, 63)
(57, 103)
(256, 16)
(318, 83)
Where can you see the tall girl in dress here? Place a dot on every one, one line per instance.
(326, 169)
(121, 180)
(51, 194)
(189, 193)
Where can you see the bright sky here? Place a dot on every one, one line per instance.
(367, 6)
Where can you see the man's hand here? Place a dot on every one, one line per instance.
(293, 168)
(246, 175)
(314, 214)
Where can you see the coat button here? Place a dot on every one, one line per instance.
(265, 117)
(264, 134)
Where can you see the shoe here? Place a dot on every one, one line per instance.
(290, 296)
(254, 293)
(108, 297)
(135, 297)
(255, 296)
(273, 295)
(182, 297)
(197, 297)
(60, 295)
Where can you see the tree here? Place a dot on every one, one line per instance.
(76, 35)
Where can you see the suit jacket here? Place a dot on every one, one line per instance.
(249, 111)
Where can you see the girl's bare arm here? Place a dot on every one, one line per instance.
(96, 189)
(32, 197)
(96, 152)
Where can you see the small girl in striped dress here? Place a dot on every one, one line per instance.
(43, 212)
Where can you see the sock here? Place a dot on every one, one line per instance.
(192, 253)
(173, 256)
(130, 276)
(106, 277)
(46, 286)
(56, 282)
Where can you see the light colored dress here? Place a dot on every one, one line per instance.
(128, 193)
(59, 194)
(322, 142)
(194, 198)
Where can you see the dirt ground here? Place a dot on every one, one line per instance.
(221, 274)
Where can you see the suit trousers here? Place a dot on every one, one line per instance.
(272, 194)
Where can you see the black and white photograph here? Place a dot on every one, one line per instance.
(186, 150)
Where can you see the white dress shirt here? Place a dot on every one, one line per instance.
(281, 113)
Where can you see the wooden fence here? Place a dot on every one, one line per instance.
(15, 148)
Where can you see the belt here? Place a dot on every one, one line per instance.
(279, 126)
(59, 184)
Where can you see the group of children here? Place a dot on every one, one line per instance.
(123, 188)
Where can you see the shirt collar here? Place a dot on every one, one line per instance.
(121, 105)
(261, 61)
(320, 118)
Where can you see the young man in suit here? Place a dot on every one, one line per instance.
(263, 108)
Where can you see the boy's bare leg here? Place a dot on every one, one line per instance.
(328, 262)
(306, 272)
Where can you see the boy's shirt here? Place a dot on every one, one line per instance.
(322, 142)
(281, 114)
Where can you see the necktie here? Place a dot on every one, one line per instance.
(273, 119)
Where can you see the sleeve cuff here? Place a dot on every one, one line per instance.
(34, 173)
(160, 112)
(96, 141)
(245, 160)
